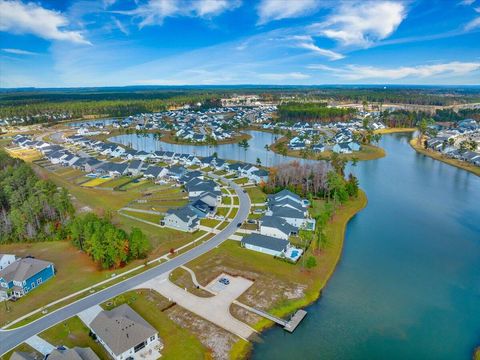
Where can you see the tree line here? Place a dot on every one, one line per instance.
(31, 209)
(317, 112)
(34, 210)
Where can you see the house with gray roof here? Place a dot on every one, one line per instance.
(265, 244)
(76, 353)
(276, 227)
(24, 275)
(183, 219)
(124, 333)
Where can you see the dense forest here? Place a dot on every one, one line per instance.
(31, 209)
(405, 118)
(318, 112)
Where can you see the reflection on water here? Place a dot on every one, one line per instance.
(408, 284)
(256, 149)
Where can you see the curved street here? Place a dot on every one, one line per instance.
(11, 338)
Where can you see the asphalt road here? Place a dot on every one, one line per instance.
(11, 338)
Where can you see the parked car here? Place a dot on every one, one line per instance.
(224, 281)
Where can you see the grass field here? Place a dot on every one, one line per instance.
(27, 155)
(75, 271)
(440, 157)
(155, 218)
(394, 130)
(117, 182)
(179, 343)
(241, 181)
(209, 222)
(96, 182)
(256, 195)
(71, 333)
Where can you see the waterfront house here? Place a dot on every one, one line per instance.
(265, 244)
(276, 227)
(24, 275)
(123, 333)
(259, 176)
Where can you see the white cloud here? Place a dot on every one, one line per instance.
(472, 25)
(359, 72)
(120, 26)
(467, 2)
(361, 23)
(19, 52)
(270, 10)
(30, 18)
(284, 76)
(153, 12)
(306, 42)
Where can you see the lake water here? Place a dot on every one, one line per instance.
(256, 149)
(408, 283)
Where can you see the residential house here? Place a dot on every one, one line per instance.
(76, 353)
(124, 333)
(276, 227)
(183, 219)
(6, 259)
(24, 275)
(265, 244)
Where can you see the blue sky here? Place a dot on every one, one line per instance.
(198, 42)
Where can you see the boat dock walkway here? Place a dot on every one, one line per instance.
(289, 325)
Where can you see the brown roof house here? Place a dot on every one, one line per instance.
(125, 334)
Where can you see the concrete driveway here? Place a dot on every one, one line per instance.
(42, 346)
(215, 309)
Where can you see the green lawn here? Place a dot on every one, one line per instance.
(241, 181)
(222, 211)
(233, 213)
(256, 195)
(209, 222)
(226, 200)
(154, 218)
(118, 182)
(71, 333)
(179, 343)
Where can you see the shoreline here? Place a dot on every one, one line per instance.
(394, 130)
(340, 220)
(476, 353)
(437, 156)
(368, 152)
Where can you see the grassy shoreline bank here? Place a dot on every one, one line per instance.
(335, 231)
(440, 157)
(368, 152)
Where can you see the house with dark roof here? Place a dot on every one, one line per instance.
(124, 333)
(24, 275)
(155, 172)
(134, 168)
(265, 244)
(276, 227)
(183, 219)
(112, 169)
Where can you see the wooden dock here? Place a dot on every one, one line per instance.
(289, 325)
(295, 320)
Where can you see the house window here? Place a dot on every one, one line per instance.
(33, 285)
(39, 281)
(152, 338)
